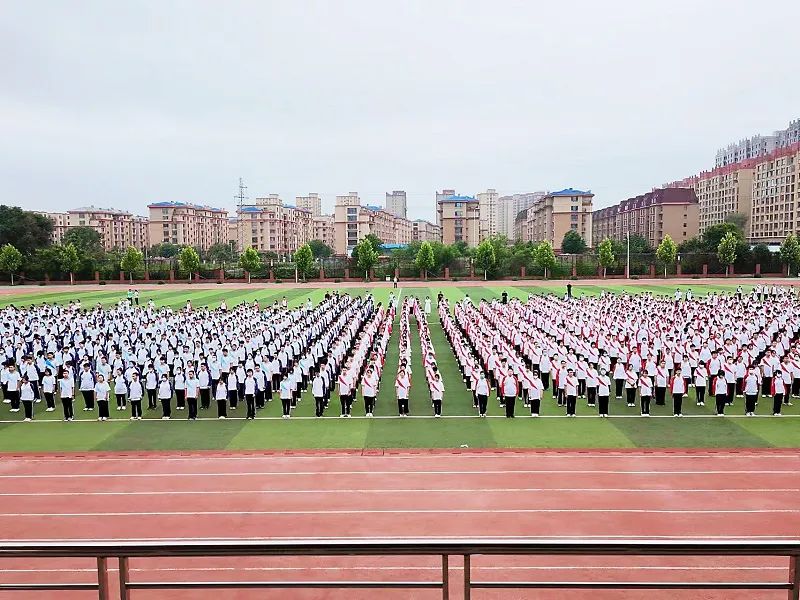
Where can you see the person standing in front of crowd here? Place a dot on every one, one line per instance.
(571, 392)
(631, 379)
(233, 387)
(510, 389)
(86, 381)
(437, 393)
(720, 389)
(66, 389)
(221, 396)
(482, 392)
(26, 396)
(778, 391)
(49, 390)
(250, 388)
(318, 391)
(662, 377)
(603, 392)
(369, 389)
(535, 394)
(402, 383)
(135, 395)
(179, 382)
(645, 393)
(101, 393)
(204, 385)
(286, 397)
(751, 385)
(165, 397)
(678, 388)
(619, 379)
(12, 383)
(151, 386)
(120, 389)
(700, 383)
(192, 391)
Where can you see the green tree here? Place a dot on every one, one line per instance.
(425, 259)
(638, 245)
(377, 243)
(304, 259)
(320, 249)
(366, 255)
(544, 257)
(70, 260)
(522, 255)
(667, 252)
(605, 254)
(87, 241)
(485, 258)
(502, 255)
(189, 261)
(573, 243)
(726, 251)
(27, 231)
(443, 255)
(221, 254)
(790, 252)
(10, 260)
(713, 235)
(165, 250)
(250, 261)
(132, 261)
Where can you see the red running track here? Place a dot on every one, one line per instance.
(717, 495)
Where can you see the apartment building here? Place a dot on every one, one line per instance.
(324, 230)
(117, 228)
(509, 207)
(354, 221)
(758, 146)
(775, 200)
(312, 203)
(661, 212)
(724, 190)
(60, 223)
(396, 203)
(556, 213)
(487, 205)
(269, 225)
(425, 231)
(459, 219)
(187, 224)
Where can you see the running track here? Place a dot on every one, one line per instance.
(680, 494)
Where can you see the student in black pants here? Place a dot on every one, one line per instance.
(720, 388)
(777, 389)
(66, 387)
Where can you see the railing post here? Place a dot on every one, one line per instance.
(794, 577)
(467, 578)
(124, 593)
(102, 578)
(445, 577)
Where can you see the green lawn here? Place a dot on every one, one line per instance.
(699, 428)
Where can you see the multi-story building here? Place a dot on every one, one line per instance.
(117, 228)
(775, 201)
(487, 202)
(509, 207)
(459, 219)
(723, 191)
(443, 195)
(271, 226)
(312, 203)
(521, 227)
(353, 222)
(425, 231)
(324, 230)
(60, 223)
(187, 224)
(396, 203)
(233, 233)
(556, 213)
(759, 145)
(654, 215)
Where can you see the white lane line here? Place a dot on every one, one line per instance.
(408, 491)
(331, 454)
(432, 511)
(401, 472)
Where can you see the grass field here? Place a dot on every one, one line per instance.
(699, 428)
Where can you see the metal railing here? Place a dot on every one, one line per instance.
(123, 552)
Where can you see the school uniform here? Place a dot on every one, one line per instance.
(720, 388)
(571, 393)
(250, 387)
(101, 393)
(645, 393)
(221, 396)
(86, 382)
(678, 389)
(401, 386)
(603, 392)
(482, 392)
(192, 391)
(135, 395)
(318, 391)
(165, 397)
(750, 393)
(437, 393)
(510, 389)
(27, 396)
(48, 390)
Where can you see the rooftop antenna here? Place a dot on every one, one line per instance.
(240, 198)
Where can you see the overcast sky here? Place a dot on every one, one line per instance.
(122, 103)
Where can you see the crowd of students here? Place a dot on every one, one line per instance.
(642, 349)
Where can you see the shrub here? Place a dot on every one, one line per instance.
(515, 279)
(101, 282)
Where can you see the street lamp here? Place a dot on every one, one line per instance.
(628, 261)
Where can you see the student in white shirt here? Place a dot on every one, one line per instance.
(645, 393)
(165, 397)
(101, 393)
(720, 392)
(250, 388)
(120, 389)
(135, 394)
(179, 382)
(751, 385)
(437, 393)
(482, 392)
(603, 392)
(318, 391)
(27, 396)
(778, 391)
(369, 389)
(221, 396)
(402, 383)
(286, 397)
(192, 391)
(678, 389)
(49, 390)
(86, 382)
(66, 389)
(535, 394)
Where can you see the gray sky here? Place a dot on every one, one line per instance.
(125, 103)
